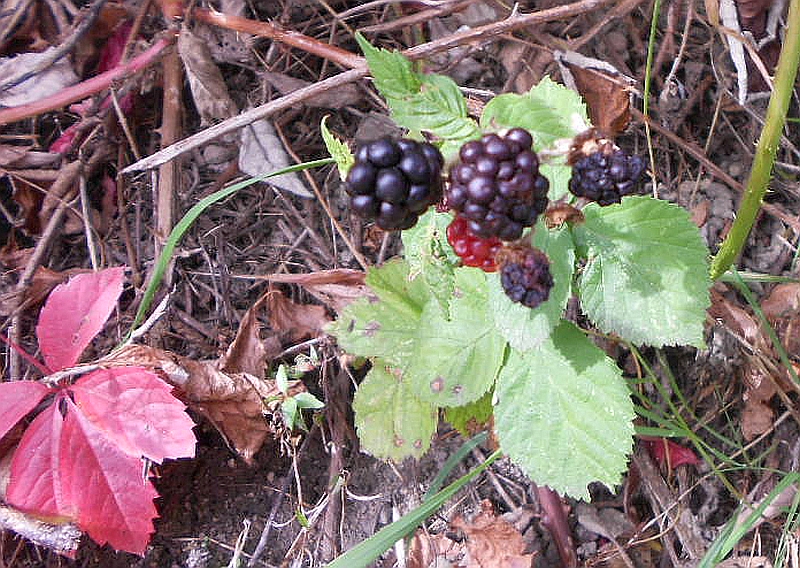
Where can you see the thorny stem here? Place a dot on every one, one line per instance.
(767, 147)
(86, 88)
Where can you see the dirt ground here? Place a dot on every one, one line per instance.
(215, 508)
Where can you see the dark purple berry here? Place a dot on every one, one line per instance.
(525, 275)
(384, 153)
(606, 173)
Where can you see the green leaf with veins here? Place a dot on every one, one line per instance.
(338, 150)
(433, 103)
(646, 273)
(472, 417)
(428, 254)
(392, 422)
(525, 328)
(454, 362)
(564, 414)
(386, 325)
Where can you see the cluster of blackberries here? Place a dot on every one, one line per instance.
(496, 185)
(393, 182)
(473, 250)
(606, 175)
(525, 274)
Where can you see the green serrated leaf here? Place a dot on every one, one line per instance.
(308, 400)
(392, 422)
(456, 361)
(338, 150)
(558, 173)
(433, 103)
(646, 274)
(523, 327)
(549, 111)
(427, 252)
(386, 327)
(563, 413)
(471, 418)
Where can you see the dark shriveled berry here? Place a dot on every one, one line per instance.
(496, 185)
(393, 182)
(602, 172)
(525, 275)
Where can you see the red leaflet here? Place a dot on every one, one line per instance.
(137, 412)
(17, 399)
(667, 452)
(104, 488)
(34, 485)
(74, 313)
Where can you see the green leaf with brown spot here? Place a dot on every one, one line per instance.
(392, 422)
(455, 361)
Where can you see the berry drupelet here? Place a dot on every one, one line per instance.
(393, 182)
(496, 185)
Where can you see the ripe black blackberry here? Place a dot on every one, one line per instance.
(393, 182)
(496, 185)
(602, 172)
(525, 274)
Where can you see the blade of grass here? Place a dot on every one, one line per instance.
(465, 449)
(188, 220)
(767, 147)
(367, 551)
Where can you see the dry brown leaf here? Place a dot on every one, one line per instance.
(492, 542)
(605, 90)
(299, 321)
(735, 318)
(428, 550)
(209, 91)
(343, 96)
(783, 301)
(335, 288)
(249, 353)
(42, 283)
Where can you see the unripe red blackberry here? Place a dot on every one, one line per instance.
(496, 185)
(473, 250)
(525, 274)
(602, 172)
(393, 182)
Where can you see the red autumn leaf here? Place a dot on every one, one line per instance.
(34, 486)
(74, 313)
(67, 469)
(667, 452)
(117, 507)
(136, 411)
(17, 399)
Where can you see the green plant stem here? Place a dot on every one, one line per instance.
(767, 148)
(648, 72)
(187, 221)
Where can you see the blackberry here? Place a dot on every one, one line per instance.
(602, 172)
(393, 182)
(525, 274)
(472, 250)
(496, 185)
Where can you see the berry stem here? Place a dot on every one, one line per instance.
(767, 148)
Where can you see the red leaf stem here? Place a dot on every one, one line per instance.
(86, 88)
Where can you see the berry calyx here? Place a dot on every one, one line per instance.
(473, 250)
(393, 182)
(525, 274)
(496, 185)
(602, 172)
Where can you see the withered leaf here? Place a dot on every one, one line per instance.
(492, 542)
(300, 321)
(343, 96)
(335, 288)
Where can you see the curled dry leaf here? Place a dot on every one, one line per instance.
(298, 321)
(606, 90)
(55, 77)
(492, 542)
(335, 288)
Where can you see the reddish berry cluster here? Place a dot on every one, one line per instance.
(473, 250)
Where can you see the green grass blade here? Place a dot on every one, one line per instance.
(367, 551)
(452, 462)
(188, 220)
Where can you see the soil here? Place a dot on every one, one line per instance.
(215, 508)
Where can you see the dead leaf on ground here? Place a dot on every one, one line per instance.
(42, 283)
(346, 95)
(261, 151)
(607, 91)
(492, 542)
(55, 77)
(299, 321)
(209, 91)
(335, 288)
(427, 550)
